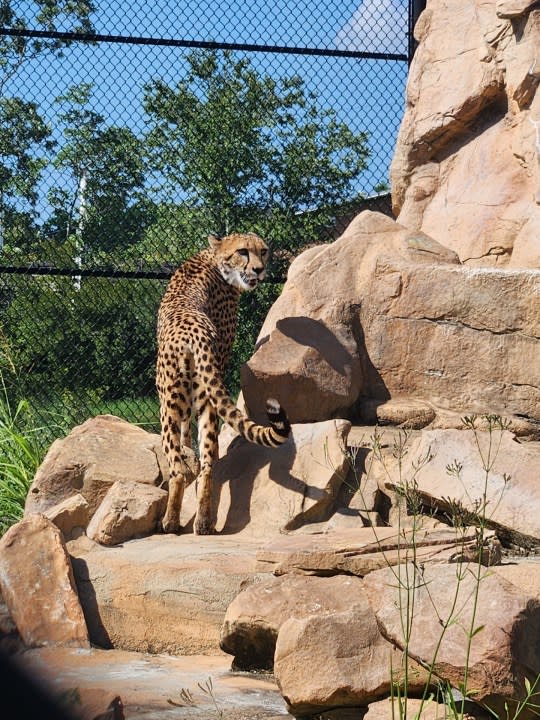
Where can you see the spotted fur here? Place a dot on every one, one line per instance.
(196, 328)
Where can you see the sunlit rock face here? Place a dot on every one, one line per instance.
(467, 164)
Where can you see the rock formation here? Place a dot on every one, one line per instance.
(386, 313)
(466, 169)
(441, 308)
(38, 586)
(75, 465)
(499, 656)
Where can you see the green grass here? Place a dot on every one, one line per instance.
(28, 427)
(20, 455)
(143, 411)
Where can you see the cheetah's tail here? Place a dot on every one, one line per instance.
(279, 422)
(273, 436)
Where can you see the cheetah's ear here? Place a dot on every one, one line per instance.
(214, 241)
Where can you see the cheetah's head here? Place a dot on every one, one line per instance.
(241, 258)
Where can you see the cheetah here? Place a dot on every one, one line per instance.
(196, 327)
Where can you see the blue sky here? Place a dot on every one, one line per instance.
(370, 25)
(367, 94)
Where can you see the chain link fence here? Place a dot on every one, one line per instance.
(130, 131)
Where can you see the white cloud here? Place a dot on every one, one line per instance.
(376, 26)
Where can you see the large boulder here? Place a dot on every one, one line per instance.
(164, 593)
(472, 473)
(339, 659)
(128, 510)
(91, 459)
(310, 354)
(38, 587)
(466, 169)
(254, 618)
(444, 609)
(389, 313)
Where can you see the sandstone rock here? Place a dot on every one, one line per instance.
(10, 640)
(262, 491)
(310, 352)
(164, 593)
(512, 495)
(501, 654)
(93, 704)
(37, 584)
(430, 334)
(70, 516)
(408, 414)
(91, 458)
(441, 341)
(524, 574)
(254, 617)
(465, 169)
(364, 550)
(513, 8)
(337, 660)
(129, 510)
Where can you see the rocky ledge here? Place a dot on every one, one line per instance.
(302, 582)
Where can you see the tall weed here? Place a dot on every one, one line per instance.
(408, 572)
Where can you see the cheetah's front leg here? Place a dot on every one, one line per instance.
(205, 519)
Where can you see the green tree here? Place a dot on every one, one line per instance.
(24, 136)
(49, 15)
(104, 205)
(250, 150)
(22, 133)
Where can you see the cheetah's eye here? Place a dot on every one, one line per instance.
(264, 252)
(243, 252)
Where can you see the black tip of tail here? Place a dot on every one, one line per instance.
(278, 418)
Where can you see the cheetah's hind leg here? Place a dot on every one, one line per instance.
(173, 384)
(205, 519)
(186, 469)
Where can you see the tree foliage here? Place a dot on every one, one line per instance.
(243, 145)
(50, 15)
(23, 132)
(25, 144)
(71, 338)
(103, 205)
(228, 148)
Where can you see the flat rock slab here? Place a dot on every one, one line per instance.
(361, 551)
(510, 485)
(146, 683)
(164, 593)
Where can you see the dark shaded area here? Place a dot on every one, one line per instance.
(87, 597)
(313, 333)
(253, 647)
(25, 699)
